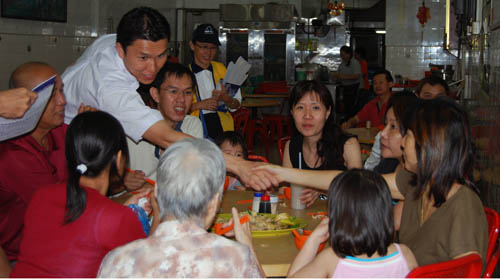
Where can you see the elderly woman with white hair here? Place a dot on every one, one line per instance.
(189, 189)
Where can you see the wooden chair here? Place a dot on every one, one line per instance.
(493, 252)
(464, 267)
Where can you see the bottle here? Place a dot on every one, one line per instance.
(274, 204)
(265, 204)
(256, 201)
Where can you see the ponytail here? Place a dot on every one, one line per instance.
(93, 141)
(76, 197)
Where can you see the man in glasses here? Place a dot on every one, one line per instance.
(212, 101)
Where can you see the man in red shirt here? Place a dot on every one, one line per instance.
(31, 160)
(374, 111)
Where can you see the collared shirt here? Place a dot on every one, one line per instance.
(142, 154)
(24, 167)
(373, 113)
(99, 79)
(180, 249)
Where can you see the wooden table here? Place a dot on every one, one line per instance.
(281, 95)
(275, 253)
(256, 103)
(365, 135)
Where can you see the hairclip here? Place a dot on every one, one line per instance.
(82, 168)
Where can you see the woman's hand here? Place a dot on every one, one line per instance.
(309, 196)
(134, 180)
(274, 171)
(242, 232)
(249, 173)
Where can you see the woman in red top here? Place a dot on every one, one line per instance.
(69, 228)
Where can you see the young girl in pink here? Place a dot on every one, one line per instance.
(360, 227)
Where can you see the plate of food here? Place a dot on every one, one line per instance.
(264, 224)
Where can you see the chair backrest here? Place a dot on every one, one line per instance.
(469, 266)
(493, 230)
(492, 263)
(253, 157)
(493, 252)
(281, 145)
(240, 118)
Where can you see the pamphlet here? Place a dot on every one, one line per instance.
(10, 128)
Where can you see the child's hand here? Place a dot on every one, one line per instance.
(320, 233)
(134, 199)
(155, 209)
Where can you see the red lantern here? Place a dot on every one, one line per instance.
(423, 14)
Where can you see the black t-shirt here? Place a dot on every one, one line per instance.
(296, 146)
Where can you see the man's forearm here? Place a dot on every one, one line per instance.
(231, 164)
(161, 134)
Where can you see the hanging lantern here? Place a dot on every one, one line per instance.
(423, 14)
(336, 8)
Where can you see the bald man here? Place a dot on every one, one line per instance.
(31, 160)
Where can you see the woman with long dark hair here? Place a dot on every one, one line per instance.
(70, 227)
(443, 217)
(320, 142)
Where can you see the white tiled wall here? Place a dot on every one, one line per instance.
(58, 51)
(60, 44)
(409, 47)
(484, 111)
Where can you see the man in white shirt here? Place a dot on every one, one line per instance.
(172, 90)
(107, 76)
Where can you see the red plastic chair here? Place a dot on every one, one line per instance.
(464, 267)
(281, 145)
(491, 264)
(253, 157)
(259, 128)
(493, 252)
(240, 118)
(276, 122)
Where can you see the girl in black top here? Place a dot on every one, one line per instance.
(321, 143)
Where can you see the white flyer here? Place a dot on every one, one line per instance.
(10, 128)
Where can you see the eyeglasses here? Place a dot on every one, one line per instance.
(210, 48)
